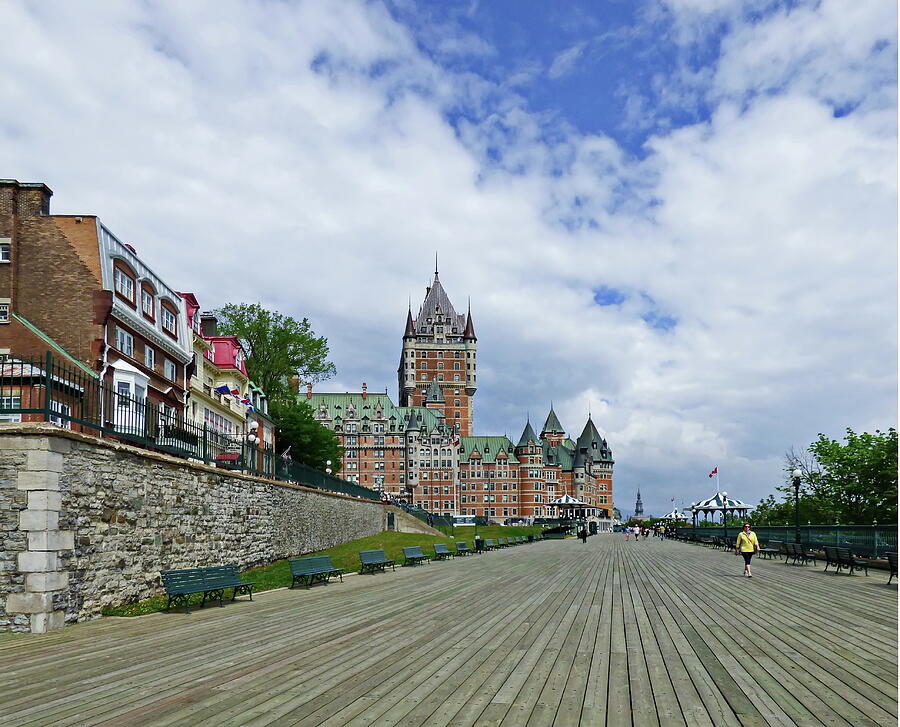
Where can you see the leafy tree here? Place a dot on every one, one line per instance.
(277, 346)
(310, 442)
(852, 483)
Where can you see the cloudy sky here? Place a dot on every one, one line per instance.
(680, 215)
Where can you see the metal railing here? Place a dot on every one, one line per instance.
(42, 389)
(872, 541)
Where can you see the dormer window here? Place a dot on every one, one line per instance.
(148, 305)
(169, 320)
(124, 283)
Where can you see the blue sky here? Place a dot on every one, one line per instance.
(679, 215)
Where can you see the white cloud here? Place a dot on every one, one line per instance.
(565, 61)
(299, 154)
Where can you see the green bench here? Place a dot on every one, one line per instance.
(373, 560)
(413, 555)
(313, 568)
(847, 560)
(799, 554)
(462, 548)
(441, 551)
(212, 582)
(489, 544)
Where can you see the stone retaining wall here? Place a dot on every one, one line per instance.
(87, 523)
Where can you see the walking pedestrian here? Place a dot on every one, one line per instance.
(627, 533)
(583, 535)
(747, 544)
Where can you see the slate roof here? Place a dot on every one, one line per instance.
(528, 435)
(552, 424)
(436, 299)
(434, 394)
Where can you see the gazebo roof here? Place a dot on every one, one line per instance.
(719, 502)
(675, 515)
(568, 501)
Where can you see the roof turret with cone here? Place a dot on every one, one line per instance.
(552, 425)
(528, 435)
(410, 331)
(469, 333)
(434, 394)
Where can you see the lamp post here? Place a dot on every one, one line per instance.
(327, 466)
(252, 442)
(694, 517)
(796, 474)
(724, 511)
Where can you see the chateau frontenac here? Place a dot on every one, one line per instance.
(424, 450)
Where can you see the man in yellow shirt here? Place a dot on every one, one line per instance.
(746, 545)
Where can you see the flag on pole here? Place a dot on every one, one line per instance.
(715, 471)
(223, 389)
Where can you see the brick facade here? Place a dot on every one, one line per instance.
(424, 451)
(70, 283)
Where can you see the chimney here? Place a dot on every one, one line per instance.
(209, 325)
(26, 199)
(364, 394)
(309, 391)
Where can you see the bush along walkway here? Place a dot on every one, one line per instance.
(345, 556)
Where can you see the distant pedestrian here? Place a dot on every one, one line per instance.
(746, 544)
(627, 534)
(583, 535)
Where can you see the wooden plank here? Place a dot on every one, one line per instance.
(562, 633)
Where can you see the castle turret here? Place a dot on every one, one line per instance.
(439, 348)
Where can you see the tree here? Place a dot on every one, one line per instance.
(851, 483)
(858, 480)
(310, 442)
(278, 347)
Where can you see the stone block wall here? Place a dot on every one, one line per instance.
(89, 523)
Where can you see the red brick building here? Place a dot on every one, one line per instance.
(68, 279)
(424, 451)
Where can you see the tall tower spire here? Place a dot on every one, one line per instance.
(439, 346)
(639, 506)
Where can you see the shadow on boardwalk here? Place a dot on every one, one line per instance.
(555, 633)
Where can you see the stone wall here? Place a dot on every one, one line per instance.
(89, 523)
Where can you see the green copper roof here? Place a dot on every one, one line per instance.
(528, 435)
(552, 424)
(434, 395)
(488, 448)
(562, 456)
(399, 418)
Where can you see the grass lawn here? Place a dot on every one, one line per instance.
(278, 574)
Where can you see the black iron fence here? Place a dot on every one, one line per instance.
(872, 541)
(43, 389)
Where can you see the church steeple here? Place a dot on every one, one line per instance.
(639, 506)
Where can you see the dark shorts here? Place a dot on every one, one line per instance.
(747, 557)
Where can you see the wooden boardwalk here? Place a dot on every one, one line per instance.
(555, 633)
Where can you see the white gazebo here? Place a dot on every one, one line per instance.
(675, 516)
(720, 502)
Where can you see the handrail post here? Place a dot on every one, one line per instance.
(48, 383)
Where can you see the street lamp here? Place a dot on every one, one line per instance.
(724, 506)
(796, 474)
(328, 466)
(694, 516)
(252, 441)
